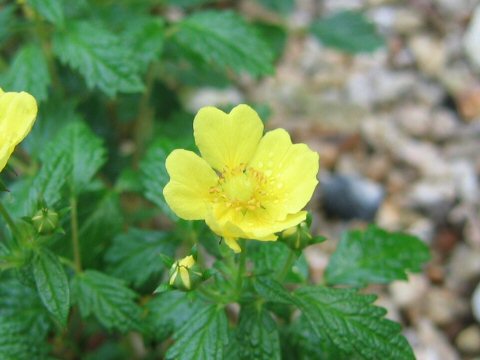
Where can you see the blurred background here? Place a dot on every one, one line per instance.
(388, 93)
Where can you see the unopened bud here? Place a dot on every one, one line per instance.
(45, 221)
(185, 274)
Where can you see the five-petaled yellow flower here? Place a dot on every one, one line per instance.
(17, 115)
(244, 185)
(182, 266)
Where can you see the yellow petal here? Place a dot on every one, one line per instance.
(5, 152)
(191, 178)
(232, 243)
(263, 227)
(187, 261)
(227, 140)
(174, 275)
(292, 169)
(185, 276)
(17, 115)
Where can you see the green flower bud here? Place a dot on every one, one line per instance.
(299, 237)
(45, 221)
(185, 274)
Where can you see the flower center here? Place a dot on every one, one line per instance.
(241, 188)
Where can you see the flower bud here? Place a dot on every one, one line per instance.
(299, 237)
(45, 221)
(185, 274)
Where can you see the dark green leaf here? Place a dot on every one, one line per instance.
(145, 37)
(135, 256)
(347, 31)
(155, 175)
(351, 323)
(20, 76)
(100, 56)
(203, 336)
(257, 335)
(375, 256)
(169, 311)
(272, 290)
(23, 322)
(52, 10)
(224, 39)
(106, 297)
(52, 285)
(7, 19)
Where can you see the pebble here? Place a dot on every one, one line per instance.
(432, 344)
(463, 266)
(430, 54)
(444, 306)
(476, 303)
(411, 292)
(468, 341)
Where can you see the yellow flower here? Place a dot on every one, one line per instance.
(183, 266)
(244, 185)
(17, 115)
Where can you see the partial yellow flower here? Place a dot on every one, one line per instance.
(182, 266)
(17, 115)
(244, 185)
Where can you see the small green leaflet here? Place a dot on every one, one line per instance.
(375, 256)
(108, 298)
(351, 323)
(52, 285)
(347, 31)
(20, 76)
(100, 56)
(203, 336)
(257, 335)
(169, 311)
(135, 256)
(52, 10)
(223, 38)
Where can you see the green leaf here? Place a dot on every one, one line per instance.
(20, 76)
(52, 285)
(257, 335)
(347, 31)
(7, 19)
(224, 39)
(83, 150)
(106, 297)
(101, 57)
(145, 37)
(135, 256)
(271, 290)
(351, 323)
(203, 336)
(23, 322)
(375, 256)
(155, 176)
(52, 10)
(169, 311)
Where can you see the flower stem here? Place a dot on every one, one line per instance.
(75, 241)
(6, 216)
(288, 265)
(241, 269)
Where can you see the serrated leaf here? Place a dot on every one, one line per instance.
(351, 323)
(223, 38)
(155, 175)
(20, 76)
(100, 56)
(347, 31)
(52, 285)
(203, 336)
(52, 10)
(375, 256)
(257, 335)
(145, 36)
(169, 311)
(271, 290)
(108, 299)
(135, 256)
(23, 322)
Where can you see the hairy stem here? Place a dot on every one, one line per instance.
(288, 265)
(241, 269)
